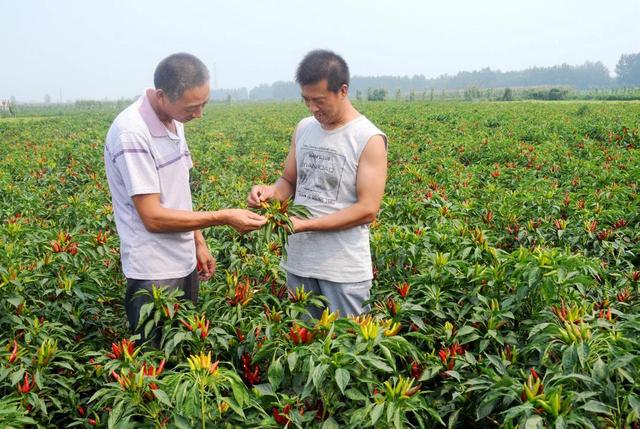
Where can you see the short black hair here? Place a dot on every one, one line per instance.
(178, 73)
(322, 64)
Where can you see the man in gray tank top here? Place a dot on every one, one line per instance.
(336, 167)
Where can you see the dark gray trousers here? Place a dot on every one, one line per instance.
(189, 285)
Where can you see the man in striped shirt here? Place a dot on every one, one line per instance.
(147, 162)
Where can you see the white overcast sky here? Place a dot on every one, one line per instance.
(109, 49)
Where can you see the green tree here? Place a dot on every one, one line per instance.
(628, 69)
(376, 94)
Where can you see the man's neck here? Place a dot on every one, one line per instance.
(155, 105)
(350, 113)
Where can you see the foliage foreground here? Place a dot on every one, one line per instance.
(506, 290)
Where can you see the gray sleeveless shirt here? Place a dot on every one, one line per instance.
(327, 164)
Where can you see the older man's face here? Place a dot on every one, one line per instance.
(189, 106)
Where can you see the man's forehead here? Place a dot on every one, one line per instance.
(197, 95)
(317, 89)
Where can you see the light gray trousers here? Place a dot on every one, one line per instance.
(348, 298)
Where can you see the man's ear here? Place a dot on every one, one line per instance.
(161, 95)
(344, 90)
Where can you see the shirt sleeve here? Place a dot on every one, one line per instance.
(134, 161)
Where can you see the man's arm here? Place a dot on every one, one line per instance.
(370, 181)
(161, 219)
(284, 187)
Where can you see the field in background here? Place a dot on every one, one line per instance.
(506, 287)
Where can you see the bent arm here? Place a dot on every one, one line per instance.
(285, 186)
(157, 218)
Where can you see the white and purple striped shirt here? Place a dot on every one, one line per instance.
(142, 157)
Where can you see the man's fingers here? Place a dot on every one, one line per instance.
(257, 222)
(256, 216)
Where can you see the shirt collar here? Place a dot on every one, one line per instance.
(150, 117)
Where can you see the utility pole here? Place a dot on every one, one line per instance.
(215, 77)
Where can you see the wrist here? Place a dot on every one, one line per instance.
(304, 225)
(220, 217)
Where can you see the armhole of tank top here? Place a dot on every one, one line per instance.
(376, 133)
(299, 129)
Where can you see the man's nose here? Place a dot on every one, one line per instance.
(198, 113)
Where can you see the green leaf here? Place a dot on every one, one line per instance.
(181, 422)
(162, 397)
(379, 364)
(486, 407)
(330, 423)
(453, 374)
(560, 423)
(533, 422)
(115, 414)
(582, 351)
(534, 276)
(538, 328)
(318, 374)
(292, 360)
(569, 358)
(596, 407)
(239, 393)
(263, 389)
(355, 395)
(466, 330)
(15, 300)
(470, 358)
(376, 413)
(275, 374)
(634, 402)
(342, 378)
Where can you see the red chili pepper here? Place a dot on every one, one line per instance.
(14, 352)
(251, 372)
(392, 306)
(443, 355)
(416, 370)
(26, 386)
(240, 335)
(300, 335)
(281, 419)
(403, 289)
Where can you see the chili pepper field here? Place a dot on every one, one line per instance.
(505, 294)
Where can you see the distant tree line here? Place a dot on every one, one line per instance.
(588, 76)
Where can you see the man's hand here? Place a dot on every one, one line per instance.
(260, 193)
(243, 220)
(206, 262)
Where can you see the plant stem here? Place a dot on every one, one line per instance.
(202, 404)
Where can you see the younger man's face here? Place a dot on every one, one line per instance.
(325, 105)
